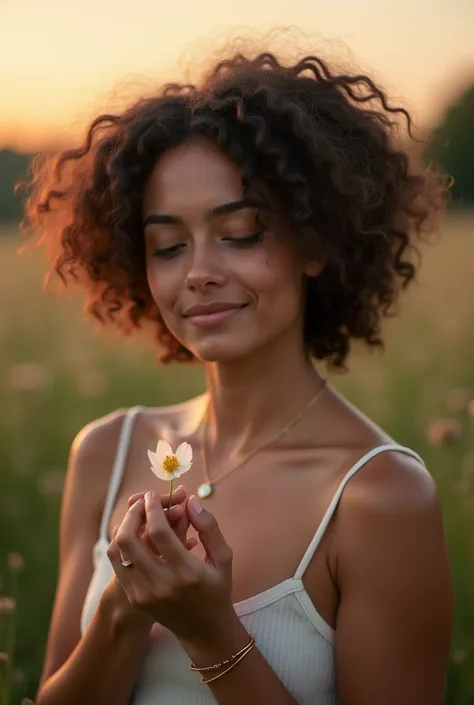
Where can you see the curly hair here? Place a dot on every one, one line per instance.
(324, 144)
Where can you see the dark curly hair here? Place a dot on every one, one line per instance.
(323, 144)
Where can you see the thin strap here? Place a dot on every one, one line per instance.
(117, 470)
(332, 507)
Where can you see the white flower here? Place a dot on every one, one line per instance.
(167, 465)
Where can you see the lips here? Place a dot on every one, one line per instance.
(210, 308)
(212, 314)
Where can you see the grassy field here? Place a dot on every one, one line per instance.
(58, 374)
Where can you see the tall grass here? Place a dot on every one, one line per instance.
(58, 374)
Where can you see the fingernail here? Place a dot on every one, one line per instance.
(195, 504)
(180, 487)
(148, 497)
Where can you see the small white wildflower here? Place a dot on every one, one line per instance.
(168, 465)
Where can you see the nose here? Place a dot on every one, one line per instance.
(205, 270)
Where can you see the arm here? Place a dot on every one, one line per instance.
(103, 668)
(395, 616)
(252, 681)
(100, 668)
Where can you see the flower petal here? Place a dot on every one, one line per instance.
(162, 450)
(159, 472)
(184, 467)
(184, 453)
(152, 457)
(155, 466)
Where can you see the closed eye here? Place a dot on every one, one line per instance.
(247, 240)
(168, 252)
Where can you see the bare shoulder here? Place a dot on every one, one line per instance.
(92, 454)
(99, 437)
(390, 514)
(391, 482)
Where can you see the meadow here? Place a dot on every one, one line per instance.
(59, 372)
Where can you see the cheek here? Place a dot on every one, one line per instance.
(274, 278)
(163, 287)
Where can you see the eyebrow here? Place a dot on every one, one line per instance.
(224, 209)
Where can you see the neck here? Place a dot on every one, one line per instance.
(252, 398)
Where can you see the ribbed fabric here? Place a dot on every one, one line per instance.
(292, 636)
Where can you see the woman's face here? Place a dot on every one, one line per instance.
(223, 287)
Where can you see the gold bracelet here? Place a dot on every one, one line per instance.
(248, 648)
(227, 660)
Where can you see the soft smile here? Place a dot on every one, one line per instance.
(209, 315)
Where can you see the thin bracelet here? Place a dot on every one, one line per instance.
(249, 647)
(227, 660)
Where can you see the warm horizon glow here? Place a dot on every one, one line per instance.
(61, 63)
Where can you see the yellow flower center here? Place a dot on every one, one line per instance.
(170, 464)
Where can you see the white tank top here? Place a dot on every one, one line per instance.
(292, 636)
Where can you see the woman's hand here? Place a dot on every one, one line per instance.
(177, 516)
(178, 520)
(190, 597)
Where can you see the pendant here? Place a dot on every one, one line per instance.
(205, 490)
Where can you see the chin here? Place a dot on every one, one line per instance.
(222, 350)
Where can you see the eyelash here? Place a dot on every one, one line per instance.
(247, 241)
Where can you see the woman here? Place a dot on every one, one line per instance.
(260, 220)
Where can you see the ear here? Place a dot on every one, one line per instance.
(313, 268)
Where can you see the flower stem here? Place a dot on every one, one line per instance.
(171, 493)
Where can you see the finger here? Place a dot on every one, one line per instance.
(133, 522)
(210, 535)
(128, 545)
(114, 531)
(175, 514)
(145, 566)
(178, 496)
(190, 543)
(182, 524)
(160, 533)
(175, 519)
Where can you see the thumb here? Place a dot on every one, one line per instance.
(218, 550)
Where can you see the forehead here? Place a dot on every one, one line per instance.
(193, 176)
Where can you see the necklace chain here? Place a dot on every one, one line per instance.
(207, 488)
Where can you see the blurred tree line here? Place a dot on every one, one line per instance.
(13, 168)
(451, 146)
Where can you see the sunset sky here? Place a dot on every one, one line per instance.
(59, 61)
